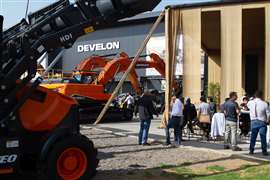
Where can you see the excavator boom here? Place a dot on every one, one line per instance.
(122, 63)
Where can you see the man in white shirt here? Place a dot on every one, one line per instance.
(175, 122)
(177, 108)
(259, 115)
(130, 101)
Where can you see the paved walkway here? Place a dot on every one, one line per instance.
(158, 135)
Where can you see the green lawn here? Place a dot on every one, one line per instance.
(261, 172)
(204, 171)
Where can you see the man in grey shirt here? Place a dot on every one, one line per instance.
(231, 111)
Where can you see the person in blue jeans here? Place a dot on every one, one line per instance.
(144, 131)
(259, 115)
(175, 122)
(146, 111)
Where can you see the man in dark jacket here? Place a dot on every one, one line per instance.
(190, 114)
(146, 111)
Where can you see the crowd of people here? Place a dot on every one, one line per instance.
(252, 117)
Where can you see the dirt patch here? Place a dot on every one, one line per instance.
(220, 166)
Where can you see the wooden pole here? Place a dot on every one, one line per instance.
(131, 66)
(166, 115)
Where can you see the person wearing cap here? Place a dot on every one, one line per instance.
(260, 116)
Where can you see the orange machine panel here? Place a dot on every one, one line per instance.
(46, 113)
(92, 91)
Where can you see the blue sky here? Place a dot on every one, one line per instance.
(14, 10)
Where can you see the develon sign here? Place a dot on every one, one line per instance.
(98, 47)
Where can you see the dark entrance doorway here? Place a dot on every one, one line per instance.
(252, 74)
(253, 36)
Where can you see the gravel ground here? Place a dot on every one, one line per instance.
(120, 155)
(122, 159)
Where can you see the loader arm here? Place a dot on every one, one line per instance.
(39, 128)
(56, 26)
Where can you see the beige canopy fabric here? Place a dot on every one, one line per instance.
(172, 30)
(191, 19)
(187, 23)
(267, 53)
(231, 50)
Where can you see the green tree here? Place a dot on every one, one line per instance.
(213, 90)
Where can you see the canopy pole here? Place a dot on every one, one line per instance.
(131, 66)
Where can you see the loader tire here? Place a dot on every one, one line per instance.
(72, 158)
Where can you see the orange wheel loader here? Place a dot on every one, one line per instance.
(39, 129)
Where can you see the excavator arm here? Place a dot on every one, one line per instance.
(112, 68)
(133, 77)
(121, 64)
(91, 63)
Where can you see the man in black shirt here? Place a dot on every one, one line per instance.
(146, 110)
(231, 111)
(190, 114)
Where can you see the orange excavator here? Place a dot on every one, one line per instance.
(88, 86)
